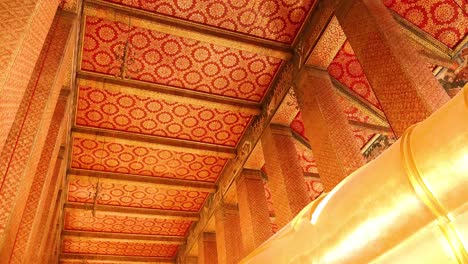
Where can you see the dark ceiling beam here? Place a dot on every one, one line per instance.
(162, 142)
(226, 37)
(375, 128)
(136, 212)
(165, 182)
(200, 98)
(89, 258)
(351, 95)
(178, 240)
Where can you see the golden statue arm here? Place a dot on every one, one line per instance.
(410, 205)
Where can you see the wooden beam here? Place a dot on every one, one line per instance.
(154, 181)
(171, 93)
(375, 128)
(426, 40)
(132, 238)
(71, 257)
(366, 106)
(157, 142)
(136, 212)
(184, 28)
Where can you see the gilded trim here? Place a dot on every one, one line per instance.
(427, 197)
(465, 93)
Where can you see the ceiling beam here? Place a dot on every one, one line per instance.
(168, 143)
(156, 181)
(178, 240)
(172, 93)
(197, 31)
(375, 128)
(365, 105)
(112, 259)
(136, 212)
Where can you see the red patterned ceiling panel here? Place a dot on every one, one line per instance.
(445, 20)
(297, 125)
(83, 245)
(306, 158)
(362, 136)
(82, 220)
(314, 186)
(346, 68)
(272, 19)
(119, 110)
(131, 194)
(138, 159)
(266, 187)
(176, 61)
(355, 113)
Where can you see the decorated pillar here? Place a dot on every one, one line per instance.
(207, 251)
(24, 145)
(191, 260)
(253, 210)
(335, 150)
(22, 40)
(228, 234)
(285, 174)
(400, 78)
(30, 222)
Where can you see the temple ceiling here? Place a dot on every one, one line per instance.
(165, 93)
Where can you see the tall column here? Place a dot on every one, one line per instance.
(207, 251)
(285, 174)
(228, 234)
(29, 225)
(335, 149)
(401, 80)
(24, 28)
(191, 260)
(20, 157)
(253, 210)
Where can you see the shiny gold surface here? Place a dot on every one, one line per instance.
(422, 219)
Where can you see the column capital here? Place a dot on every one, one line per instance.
(249, 174)
(280, 130)
(208, 236)
(65, 91)
(310, 71)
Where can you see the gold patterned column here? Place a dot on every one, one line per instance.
(335, 149)
(285, 174)
(253, 210)
(401, 80)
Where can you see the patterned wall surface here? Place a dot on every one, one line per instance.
(132, 194)
(111, 156)
(306, 158)
(175, 61)
(445, 20)
(144, 114)
(83, 220)
(362, 135)
(276, 20)
(328, 45)
(346, 68)
(85, 245)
